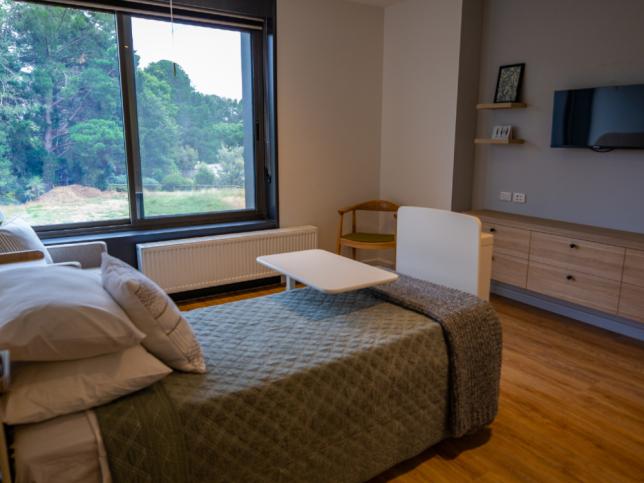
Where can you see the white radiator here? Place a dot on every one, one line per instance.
(195, 263)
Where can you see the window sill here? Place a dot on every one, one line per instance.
(122, 244)
(167, 233)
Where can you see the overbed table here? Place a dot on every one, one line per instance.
(325, 271)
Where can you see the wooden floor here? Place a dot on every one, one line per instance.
(571, 409)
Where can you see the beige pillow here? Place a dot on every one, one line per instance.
(43, 390)
(17, 235)
(60, 313)
(168, 334)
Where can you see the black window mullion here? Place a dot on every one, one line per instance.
(130, 117)
(261, 178)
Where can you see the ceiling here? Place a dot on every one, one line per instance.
(377, 3)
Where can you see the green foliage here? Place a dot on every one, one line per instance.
(35, 188)
(9, 186)
(187, 159)
(61, 119)
(96, 152)
(231, 161)
(204, 177)
(117, 183)
(151, 184)
(176, 182)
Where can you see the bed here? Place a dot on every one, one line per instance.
(301, 386)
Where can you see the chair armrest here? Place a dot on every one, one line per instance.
(66, 264)
(23, 256)
(88, 254)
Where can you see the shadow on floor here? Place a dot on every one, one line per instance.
(448, 449)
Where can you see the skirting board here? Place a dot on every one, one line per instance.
(604, 321)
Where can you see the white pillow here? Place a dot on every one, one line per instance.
(57, 313)
(43, 390)
(168, 334)
(17, 235)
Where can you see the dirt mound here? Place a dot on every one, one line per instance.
(71, 193)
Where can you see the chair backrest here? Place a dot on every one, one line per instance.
(439, 246)
(377, 205)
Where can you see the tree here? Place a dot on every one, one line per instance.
(187, 159)
(71, 75)
(61, 114)
(204, 177)
(96, 152)
(176, 182)
(9, 187)
(232, 166)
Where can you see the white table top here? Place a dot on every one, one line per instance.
(326, 271)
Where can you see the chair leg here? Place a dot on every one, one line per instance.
(353, 253)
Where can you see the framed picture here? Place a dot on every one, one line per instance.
(502, 132)
(508, 84)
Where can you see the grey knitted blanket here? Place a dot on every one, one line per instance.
(474, 342)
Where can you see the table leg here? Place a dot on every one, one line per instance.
(290, 283)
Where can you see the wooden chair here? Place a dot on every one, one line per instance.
(367, 241)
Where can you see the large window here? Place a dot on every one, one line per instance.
(118, 119)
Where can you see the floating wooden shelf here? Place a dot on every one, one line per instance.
(498, 141)
(502, 105)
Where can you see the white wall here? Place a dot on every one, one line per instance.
(420, 84)
(566, 44)
(329, 87)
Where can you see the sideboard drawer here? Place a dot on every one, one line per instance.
(574, 286)
(631, 302)
(509, 240)
(634, 267)
(510, 270)
(604, 261)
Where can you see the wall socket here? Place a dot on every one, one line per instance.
(505, 196)
(518, 198)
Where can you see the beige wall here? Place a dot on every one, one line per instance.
(566, 44)
(420, 84)
(329, 74)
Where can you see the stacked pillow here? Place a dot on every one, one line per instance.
(168, 333)
(75, 346)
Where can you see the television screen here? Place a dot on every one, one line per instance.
(599, 118)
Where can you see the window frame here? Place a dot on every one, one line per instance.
(264, 117)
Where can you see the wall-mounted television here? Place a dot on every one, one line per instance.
(600, 118)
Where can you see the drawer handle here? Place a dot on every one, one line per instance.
(570, 277)
(574, 245)
(492, 230)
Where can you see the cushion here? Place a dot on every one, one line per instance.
(55, 313)
(168, 334)
(369, 237)
(17, 235)
(43, 390)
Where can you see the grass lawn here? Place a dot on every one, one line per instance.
(69, 206)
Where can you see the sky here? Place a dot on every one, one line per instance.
(211, 57)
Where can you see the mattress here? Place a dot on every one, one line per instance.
(65, 449)
(301, 386)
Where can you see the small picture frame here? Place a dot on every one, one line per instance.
(508, 83)
(502, 132)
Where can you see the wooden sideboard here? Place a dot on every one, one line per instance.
(592, 267)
